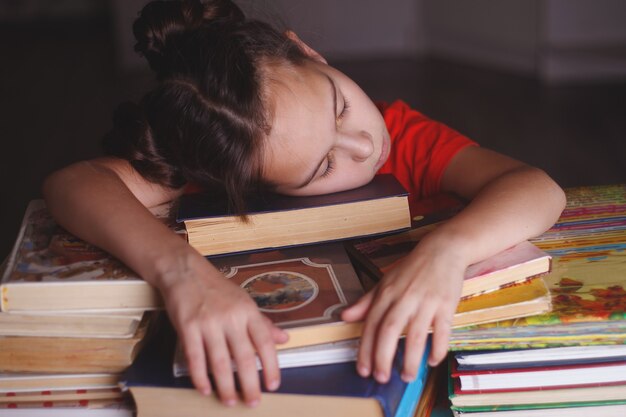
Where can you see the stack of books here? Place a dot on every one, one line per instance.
(72, 320)
(570, 361)
(85, 317)
(303, 286)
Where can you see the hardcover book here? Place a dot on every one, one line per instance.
(518, 263)
(325, 390)
(50, 269)
(301, 289)
(587, 280)
(275, 221)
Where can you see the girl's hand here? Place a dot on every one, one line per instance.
(216, 321)
(420, 293)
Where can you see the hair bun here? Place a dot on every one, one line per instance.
(159, 22)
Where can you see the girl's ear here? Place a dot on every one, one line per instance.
(310, 52)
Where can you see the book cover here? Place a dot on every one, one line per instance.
(275, 221)
(528, 358)
(543, 377)
(50, 269)
(378, 255)
(205, 205)
(301, 289)
(587, 280)
(328, 390)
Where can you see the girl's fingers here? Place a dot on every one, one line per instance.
(358, 310)
(247, 373)
(415, 342)
(391, 327)
(377, 306)
(219, 358)
(442, 327)
(260, 334)
(194, 351)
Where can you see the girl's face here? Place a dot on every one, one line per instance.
(327, 135)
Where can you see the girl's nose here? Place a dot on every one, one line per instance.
(359, 145)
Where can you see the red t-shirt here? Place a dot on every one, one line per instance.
(421, 150)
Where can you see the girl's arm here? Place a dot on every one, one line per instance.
(104, 202)
(510, 202)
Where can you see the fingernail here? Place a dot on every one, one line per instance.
(253, 403)
(380, 376)
(406, 377)
(273, 385)
(363, 370)
(206, 391)
(230, 403)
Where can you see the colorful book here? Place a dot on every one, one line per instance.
(587, 281)
(325, 390)
(51, 270)
(275, 220)
(376, 256)
(561, 410)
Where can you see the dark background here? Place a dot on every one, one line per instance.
(62, 74)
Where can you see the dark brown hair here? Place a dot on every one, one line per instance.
(205, 120)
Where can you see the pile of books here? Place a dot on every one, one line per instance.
(302, 259)
(72, 320)
(569, 362)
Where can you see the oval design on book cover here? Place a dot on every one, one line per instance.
(279, 291)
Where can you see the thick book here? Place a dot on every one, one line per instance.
(325, 390)
(587, 280)
(528, 358)
(545, 377)
(21, 397)
(72, 408)
(54, 324)
(275, 220)
(559, 410)
(301, 289)
(49, 269)
(375, 256)
(72, 354)
(29, 382)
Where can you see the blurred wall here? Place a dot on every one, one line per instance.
(555, 40)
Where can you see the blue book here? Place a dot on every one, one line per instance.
(328, 390)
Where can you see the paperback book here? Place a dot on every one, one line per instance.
(587, 280)
(51, 270)
(376, 256)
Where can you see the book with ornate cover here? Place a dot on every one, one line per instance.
(587, 281)
(375, 256)
(301, 289)
(51, 270)
(275, 221)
